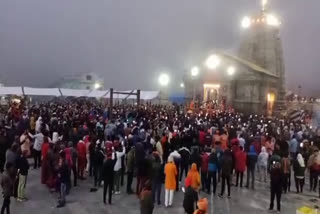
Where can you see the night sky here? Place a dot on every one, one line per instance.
(129, 42)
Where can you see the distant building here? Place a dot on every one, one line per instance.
(251, 82)
(89, 81)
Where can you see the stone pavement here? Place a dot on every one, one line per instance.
(81, 201)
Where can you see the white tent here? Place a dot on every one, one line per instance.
(11, 91)
(149, 95)
(74, 92)
(98, 94)
(42, 91)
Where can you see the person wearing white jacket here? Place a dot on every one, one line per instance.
(263, 164)
(117, 168)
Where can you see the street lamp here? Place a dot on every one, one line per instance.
(246, 22)
(182, 85)
(97, 85)
(231, 70)
(164, 79)
(213, 62)
(195, 71)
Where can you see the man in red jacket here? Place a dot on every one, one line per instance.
(204, 169)
(240, 165)
(82, 151)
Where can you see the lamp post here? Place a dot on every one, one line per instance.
(164, 81)
(194, 73)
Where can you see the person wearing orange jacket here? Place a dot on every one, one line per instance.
(194, 176)
(170, 181)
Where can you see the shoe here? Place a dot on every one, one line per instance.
(278, 211)
(117, 193)
(20, 200)
(60, 205)
(270, 210)
(229, 196)
(159, 203)
(221, 196)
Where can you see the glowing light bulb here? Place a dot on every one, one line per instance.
(246, 22)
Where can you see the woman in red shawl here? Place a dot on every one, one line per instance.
(82, 158)
(45, 162)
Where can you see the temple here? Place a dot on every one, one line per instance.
(253, 81)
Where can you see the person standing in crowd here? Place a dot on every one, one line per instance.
(177, 159)
(241, 160)
(23, 167)
(212, 171)
(37, 145)
(184, 163)
(299, 169)
(226, 171)
(170, 181)
(99, 157)
(130, 168)
(275, 181)
(7, 183)
(121, 151)
(251, 166)
(286, 171)
(64, 177)
(108, 174)
(202, 206)
(314, 168)
(44, 160)
(263, 164)
(157, 178)
(194, 176)
(25, 143)
(146, 202)
(204, 169)
(4, 146)
(82, 157)
(293, 147)
(190, 197)
(74, 158)
(12, 155)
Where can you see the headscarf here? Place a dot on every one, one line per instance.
(170, 159)
(300, 160)
(203, 204)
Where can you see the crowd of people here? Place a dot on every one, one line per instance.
(155, 145)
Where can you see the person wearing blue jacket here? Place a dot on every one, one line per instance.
(212, 171)
(252, 158)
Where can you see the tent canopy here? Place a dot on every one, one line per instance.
(11, 91)
(144, 95)
(42, 91)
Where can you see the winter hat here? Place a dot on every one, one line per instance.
(187, 182)
(203, 204)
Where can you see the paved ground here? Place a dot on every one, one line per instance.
(81, 201)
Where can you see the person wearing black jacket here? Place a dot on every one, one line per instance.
(184, 162)
(23, 167)
(64, 176)
(107, 175)
(98, 163)
(226, 171)
(190, 197)
(157, 177)
(276, 179)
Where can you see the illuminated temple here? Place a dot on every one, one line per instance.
(251, 82)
